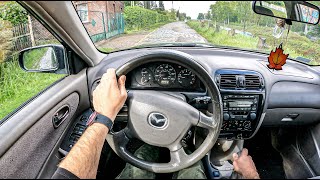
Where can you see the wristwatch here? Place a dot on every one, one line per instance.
(95, 117)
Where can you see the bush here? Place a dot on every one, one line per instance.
(297, 45)
(13, 12)
(140, 18)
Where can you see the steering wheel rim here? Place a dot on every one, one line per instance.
(179, 159)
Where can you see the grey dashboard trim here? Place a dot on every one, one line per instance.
(290, 94)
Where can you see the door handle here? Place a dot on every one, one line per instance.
(60, 116)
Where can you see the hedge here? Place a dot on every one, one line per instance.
(137, 17)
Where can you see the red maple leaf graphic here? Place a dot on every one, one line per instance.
(277, 59)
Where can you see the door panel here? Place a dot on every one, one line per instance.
(28, 140)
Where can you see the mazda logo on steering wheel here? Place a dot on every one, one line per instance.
(157, 120)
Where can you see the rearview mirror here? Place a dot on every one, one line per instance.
(47, 58)
(299, 11)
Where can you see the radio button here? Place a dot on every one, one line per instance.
(226, 116)
(253, 116)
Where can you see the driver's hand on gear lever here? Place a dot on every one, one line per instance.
(244, 165)
(110, 95)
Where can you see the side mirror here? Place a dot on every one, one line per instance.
(299, 11)
(47, 58)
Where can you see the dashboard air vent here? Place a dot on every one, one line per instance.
(252, 82)
(228, 81)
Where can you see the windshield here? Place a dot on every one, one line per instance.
(119, 25)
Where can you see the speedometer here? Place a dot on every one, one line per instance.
(165, 74)
(186, 77)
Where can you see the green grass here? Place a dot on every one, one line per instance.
(297, 45)
(17, 86)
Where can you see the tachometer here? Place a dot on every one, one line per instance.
(186, 77)
(165, 74)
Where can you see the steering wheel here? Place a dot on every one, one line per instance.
(162, 120)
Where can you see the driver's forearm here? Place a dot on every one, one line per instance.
(83, 159)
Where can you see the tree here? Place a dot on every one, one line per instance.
(14, 13)
(200, 16)
(161, 6)
(127, 3)
(208, 15)
(245, 12)
(147, 4)
(182, 16)
(188, 17)
(178, 14)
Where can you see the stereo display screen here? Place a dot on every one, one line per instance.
(243, 104)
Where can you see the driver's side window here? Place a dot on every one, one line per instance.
(20, 30)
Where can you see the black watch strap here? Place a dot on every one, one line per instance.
(104, 120)
(99, 118)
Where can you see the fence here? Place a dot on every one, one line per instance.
(21, 37)
(16, 38)
(102, 25)
(30, 34)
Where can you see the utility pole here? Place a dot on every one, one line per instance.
(172, 6)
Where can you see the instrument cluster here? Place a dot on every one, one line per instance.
(164, 76)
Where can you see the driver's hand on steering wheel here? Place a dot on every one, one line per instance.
(244, 165)
(110, 95)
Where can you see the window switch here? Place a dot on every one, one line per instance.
(83, 119)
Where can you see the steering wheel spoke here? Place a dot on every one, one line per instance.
(121, 138)
(178, 156)
(207, 122)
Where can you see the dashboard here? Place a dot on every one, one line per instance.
(164, 76)
(253, 95)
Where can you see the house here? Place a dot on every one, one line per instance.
(102, 19)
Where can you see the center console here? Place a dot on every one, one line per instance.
(243, 97)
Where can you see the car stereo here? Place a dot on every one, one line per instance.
(240, 115)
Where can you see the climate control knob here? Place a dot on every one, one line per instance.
(226, 116)
(253, 116)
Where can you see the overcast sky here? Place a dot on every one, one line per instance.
(191, 8)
